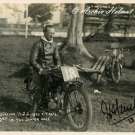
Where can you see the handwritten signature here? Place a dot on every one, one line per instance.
(117, 109)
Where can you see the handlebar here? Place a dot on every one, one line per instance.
(49, 70)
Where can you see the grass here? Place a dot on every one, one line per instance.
(14, 60)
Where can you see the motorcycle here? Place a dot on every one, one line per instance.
(66, 96)
(115, 64)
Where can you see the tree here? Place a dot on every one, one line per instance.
(40, 12)
(74, 41)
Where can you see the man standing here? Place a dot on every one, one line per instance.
(44, 54)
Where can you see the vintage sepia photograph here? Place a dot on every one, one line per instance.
(67, 67)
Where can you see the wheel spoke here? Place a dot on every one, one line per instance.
(79, 113)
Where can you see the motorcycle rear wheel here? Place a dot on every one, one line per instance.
(79, 109)
(115, 72)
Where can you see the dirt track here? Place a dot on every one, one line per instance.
(14, 55)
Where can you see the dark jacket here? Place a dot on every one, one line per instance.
(44, 54)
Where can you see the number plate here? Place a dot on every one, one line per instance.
(69, 73)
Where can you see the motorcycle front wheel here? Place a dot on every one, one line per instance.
(79, 109)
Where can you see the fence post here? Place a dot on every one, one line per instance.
(26, 22)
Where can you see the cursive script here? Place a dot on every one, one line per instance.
(116, 108)
(99, 11)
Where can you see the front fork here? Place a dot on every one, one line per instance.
(70, 86)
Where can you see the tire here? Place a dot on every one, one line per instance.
(115, 71)
(78, 105)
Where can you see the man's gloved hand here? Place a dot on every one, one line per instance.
(58, 66)
(43, 71)
(40, 71)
